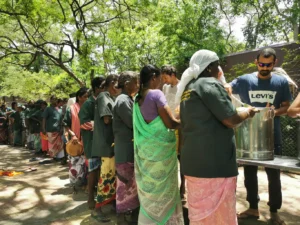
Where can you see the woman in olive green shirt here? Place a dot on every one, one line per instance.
(126, 192)
(103, 145)
(208, 158)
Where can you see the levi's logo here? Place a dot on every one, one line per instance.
(262, 96)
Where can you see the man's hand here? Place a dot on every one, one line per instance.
(252, 111)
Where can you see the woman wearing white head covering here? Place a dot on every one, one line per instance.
(208, 151)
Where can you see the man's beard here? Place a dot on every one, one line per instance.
(265, 73)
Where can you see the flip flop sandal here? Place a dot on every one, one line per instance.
(47, 161)
(30, 169)
(35, 159)
(245, 215)
(101, 218)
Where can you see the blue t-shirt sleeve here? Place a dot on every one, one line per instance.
(235, 84)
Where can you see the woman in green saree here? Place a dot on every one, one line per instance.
(155, 153)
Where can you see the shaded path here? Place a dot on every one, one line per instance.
(43, 197)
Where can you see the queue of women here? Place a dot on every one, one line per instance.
(128, 131)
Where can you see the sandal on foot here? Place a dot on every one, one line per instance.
(47, 161)
(100, 217)
(247, 215)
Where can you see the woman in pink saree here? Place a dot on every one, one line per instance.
(51, 125)
(208, 158)
(77, 167)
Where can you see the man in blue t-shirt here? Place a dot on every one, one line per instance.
(261, 89)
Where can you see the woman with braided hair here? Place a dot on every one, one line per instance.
(155, 160)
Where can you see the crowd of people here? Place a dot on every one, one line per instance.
(21, 124)
(135, 128)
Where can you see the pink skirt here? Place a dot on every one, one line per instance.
(55, 143)
(211, 200)
(127, 195)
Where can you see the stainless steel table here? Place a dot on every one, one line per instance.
(279, 162)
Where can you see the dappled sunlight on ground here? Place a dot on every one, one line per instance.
(290, 211)
(44, 197)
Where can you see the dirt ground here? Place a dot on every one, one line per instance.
(44, 197)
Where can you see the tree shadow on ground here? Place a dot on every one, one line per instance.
(26, 198)
(63, 191)
(80, 196)
(42, 197)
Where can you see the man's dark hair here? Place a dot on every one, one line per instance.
(267, 53)
(168, 70)
(97, 82)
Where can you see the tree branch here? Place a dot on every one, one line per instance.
(62, 10)
(278, 11)
(107, 20)
(11, 13)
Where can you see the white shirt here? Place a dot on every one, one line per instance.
(170, 93)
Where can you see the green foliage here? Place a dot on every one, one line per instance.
(79, 38)
(107, 36)
(31, 85)
(289, 127)
(291, 60)
(240, 69)
(268, 20)
(189, 26)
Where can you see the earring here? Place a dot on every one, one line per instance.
(209, 70)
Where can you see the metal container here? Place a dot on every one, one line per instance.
(255, 136)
